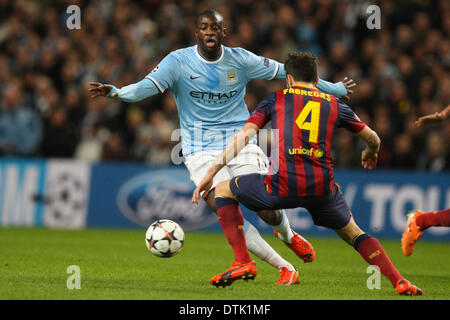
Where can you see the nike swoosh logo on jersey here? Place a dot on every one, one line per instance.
(193, 78)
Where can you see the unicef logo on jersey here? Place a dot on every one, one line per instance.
(163, 194)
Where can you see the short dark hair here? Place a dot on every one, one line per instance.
(210, 13)
(302, 66)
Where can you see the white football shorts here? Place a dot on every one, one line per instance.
(251, 159)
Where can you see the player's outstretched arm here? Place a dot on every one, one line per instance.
(434, 118)
(233, 147)
(369, 156)
(131, 93)
(341, 89)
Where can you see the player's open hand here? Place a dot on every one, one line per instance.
(348, 84)
(204, 186)
(369, 159)
(98, 89)
(428, 119)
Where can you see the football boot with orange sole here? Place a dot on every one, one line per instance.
(302, 248)
(237, 271)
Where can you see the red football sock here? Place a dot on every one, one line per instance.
(232, 223)
(434, 219)
(372, 251)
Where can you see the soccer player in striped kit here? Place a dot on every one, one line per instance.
(305, 119)
(419, 221)
(208, 81)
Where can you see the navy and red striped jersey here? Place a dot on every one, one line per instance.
(303, 119)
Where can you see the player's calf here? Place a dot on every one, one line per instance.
(232, 222)
(373, 253)
(271, 217)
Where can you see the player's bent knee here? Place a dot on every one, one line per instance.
(223, 190)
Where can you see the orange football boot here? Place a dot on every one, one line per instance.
(245, 271)
(411, 234)
(302, 248)
(406, 288)
(288, 277)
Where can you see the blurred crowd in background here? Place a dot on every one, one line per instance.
(402, 71)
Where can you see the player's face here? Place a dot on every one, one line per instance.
(210, 32)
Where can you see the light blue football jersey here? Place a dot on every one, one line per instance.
(210, 94)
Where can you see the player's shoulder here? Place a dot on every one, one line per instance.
(237, 52)
(335, 102)
(328, 96)
(333, 99)
(244, 58)
(182, 53)
(339, 103)
(270, 99)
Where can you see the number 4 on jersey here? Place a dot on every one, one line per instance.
(313, 108)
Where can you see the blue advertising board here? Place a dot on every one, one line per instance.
(41, 192)
(21, 184)
(130, 195)
(379, 201)
(136, 195)
(71, 194)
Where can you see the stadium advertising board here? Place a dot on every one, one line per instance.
(71, 194)
(137, 195)
(379, 201)
(43, 193)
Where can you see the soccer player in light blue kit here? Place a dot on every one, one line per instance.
(208, 82)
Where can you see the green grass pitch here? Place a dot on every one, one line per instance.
(115, 264)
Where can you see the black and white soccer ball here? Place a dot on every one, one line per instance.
(164, 238)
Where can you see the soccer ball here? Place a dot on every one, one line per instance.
(164, 238)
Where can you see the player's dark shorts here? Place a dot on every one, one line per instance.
(329, 211)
